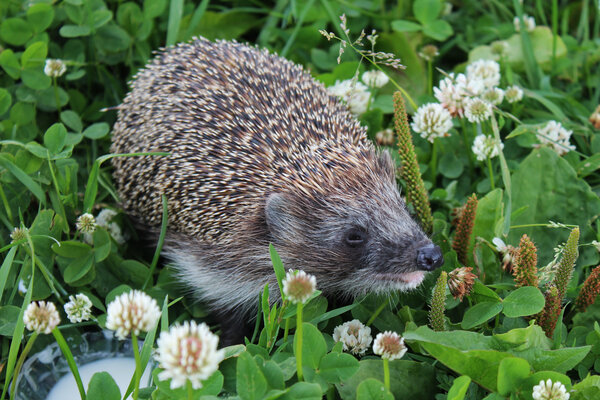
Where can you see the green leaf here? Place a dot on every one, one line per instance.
(511, 373)
(103, 387)
(78, 268)
(427, 11)
(112, 39)
(439, 30)
(22, 177)
(154, 8)
(72, 249)
(337, 367)
(313, 346)
(401, 25)
(54, 138)
(585, 167)
(5, 268)
(8, 319)
(15, 31)
(22, 113)
(278, 267)
(133, 271)
(273, 373)
(527, 300)
(10, 63)
(5, 100)
(543, 175)
(35, 78)
(451, 166)
(72, 31)
(102, 245)
(408, 379)
(34, 55)
(304, 391)
(96, 131)
(467, 353)
(101, 17)
(72, 120)
(40, 16)
(480, 313)
(459, 388)
(372, 389)
(250, 381)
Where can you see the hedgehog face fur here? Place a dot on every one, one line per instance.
(260, 153)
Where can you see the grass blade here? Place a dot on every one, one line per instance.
(5, 269)
(175, 14)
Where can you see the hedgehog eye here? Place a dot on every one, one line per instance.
(355, 237)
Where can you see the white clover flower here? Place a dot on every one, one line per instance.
(508, 253)
(432, 121)
(86, 223)
(549, 391)
(556, 136)
(18, 234)
(494, 96)
(105, 216)
(298, 286)
(375, 78)
(385, 137)
(477, 110)
(22, 287)
(354, 94)
(188, 352)
(429, 52)
(132, 312)
(513, 94)
(55, 68)
(79, 308)
(527, 20)
(500, 245)
(358, 102)
(354, 336)
(596, 244)
(41, 317)
(105, 220)
(486, 71)
(454, 91)
(389, 345)
(485, 147)
(595, 118)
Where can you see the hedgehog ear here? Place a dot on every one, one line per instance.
(280, 216)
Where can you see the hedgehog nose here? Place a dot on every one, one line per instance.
(429, 257)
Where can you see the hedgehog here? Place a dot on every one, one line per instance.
(260, 153)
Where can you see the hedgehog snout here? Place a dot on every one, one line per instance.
(429, 257)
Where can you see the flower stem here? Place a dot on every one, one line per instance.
(190, 391)
(286, 330)
(433, 160)
(386, 373)
(20, 362)
(62, 343)
(138, 366)
(466, 142)
(491, 173)
(430, 77)
(299, 342)
(56, 95)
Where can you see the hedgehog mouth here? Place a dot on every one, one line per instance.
(413, 278)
